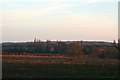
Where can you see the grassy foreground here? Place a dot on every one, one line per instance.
(59, 71)
(14, 67)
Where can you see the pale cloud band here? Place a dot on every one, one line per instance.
(90, 1)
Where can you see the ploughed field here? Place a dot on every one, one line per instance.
(57, 66)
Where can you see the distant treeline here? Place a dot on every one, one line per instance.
(59, 47)
(44, 47)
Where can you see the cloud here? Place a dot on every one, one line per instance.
(51, 7)
(97, 1)
(26, 14)
(55, 1)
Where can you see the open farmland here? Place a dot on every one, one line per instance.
(55, 66)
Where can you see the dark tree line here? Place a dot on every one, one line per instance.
(58, 47)
(45, 47)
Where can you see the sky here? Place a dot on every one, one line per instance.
(23, 20)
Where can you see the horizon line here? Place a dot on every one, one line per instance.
(59, 40)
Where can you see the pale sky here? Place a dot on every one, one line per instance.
(23, 20)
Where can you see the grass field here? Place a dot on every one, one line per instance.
(15, 66)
